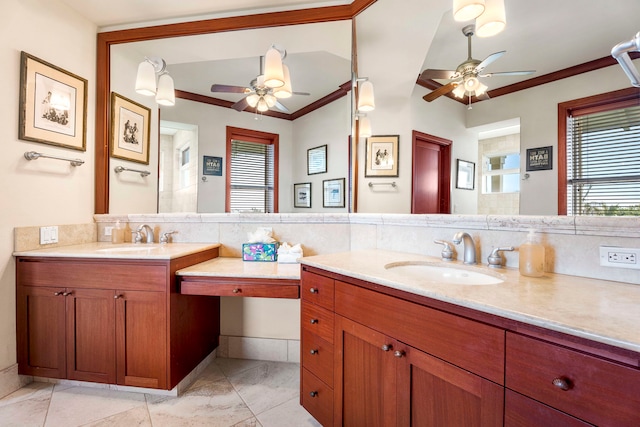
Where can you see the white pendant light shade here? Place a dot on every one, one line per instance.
(482, 89)
(262, 105)
(493, 20)
(366, 100)
(270, 100)
(459, 91)
(146, 79)
(466, 10)
(166, 93)
(273, 73)
(253, 99)
(364, 127)
(284, 91)
(471, 84)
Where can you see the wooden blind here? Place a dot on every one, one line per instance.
(252, 177)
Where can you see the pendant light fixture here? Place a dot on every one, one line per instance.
(493, 19)
(466, 10)
(273, 73)
(284, 91)
(364, 127)
(146, 84)
(366, 101)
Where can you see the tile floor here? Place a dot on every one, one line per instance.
(229, 393)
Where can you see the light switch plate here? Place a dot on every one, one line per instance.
(48, 235)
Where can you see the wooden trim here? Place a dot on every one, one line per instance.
(342, 91)
(590, 104)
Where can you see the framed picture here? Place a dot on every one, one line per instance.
(465, 175)
(317, 160)
(381, 156)
(539, 159)
(212, 165)
(130, 127)
(302, 195)
(53, 104)
(333, 193)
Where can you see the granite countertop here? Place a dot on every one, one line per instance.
(236, 267)
(108, 250)
(599, 310)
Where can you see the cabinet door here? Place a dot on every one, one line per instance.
(432, 392)
(365, 380)
(41, 331)
(90, 335)
(141, 339)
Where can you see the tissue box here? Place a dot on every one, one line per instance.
(260, 251)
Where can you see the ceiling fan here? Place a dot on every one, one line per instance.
(258, 94)
(465, 78)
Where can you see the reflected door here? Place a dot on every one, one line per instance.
(431, 174)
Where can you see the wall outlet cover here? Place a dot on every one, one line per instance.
(616, 256)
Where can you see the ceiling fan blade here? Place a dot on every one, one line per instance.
(281, 107)
(229, 89)
(240, 105)
(488, 60)
(509, 73)
(429, 74)
(442, 90)
(301, 93)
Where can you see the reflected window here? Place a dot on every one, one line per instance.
(252, 177)
(184, 166)
(501, 173)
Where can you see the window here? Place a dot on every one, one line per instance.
(184, 166)
(602, 157)
(501, 173)
(251, 171)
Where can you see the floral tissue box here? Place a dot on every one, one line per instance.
(260, 251)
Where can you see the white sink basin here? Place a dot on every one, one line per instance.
(417, 272)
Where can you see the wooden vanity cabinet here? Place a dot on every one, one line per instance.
(111, 321)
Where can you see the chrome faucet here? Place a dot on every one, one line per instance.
(469, 246)
(148, 234)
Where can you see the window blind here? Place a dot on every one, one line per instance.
(252, 177)
(603, 162)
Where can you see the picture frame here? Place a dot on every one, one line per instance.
(465, 174)
(539, 159)
(381, 156)
(212, 165)
(302, 195)
(317, 160)
(130, 128)
(53, 104)
(333, 195)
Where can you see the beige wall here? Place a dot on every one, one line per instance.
(44, 191)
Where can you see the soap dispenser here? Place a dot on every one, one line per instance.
(117, 234)
(532, 256)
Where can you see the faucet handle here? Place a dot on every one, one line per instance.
(495, 259)
(165, 236)
(447, 250)
(136, 236)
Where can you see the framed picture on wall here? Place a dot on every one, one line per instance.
(212, 165)
(539, 159)
(130, 127)
(381, 156)
(333, 193)
(465, 174)
(302, 195)
(53, 104)
(317, 160)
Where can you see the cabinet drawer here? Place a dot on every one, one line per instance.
(598, 391)
(188, 287)
(317, 356)
(318, 321)
(317, 398)
(471, 345)
(520, 411)
(317, 289)
(91, 274)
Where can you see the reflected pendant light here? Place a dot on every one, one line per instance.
(493, 20)
(146, 79)
(364, 127)
(366, 101)
(284, 91)
(466, 10)
(166, 93)
(273, 73)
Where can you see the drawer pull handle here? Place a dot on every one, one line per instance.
(118, 296)
(398, 353)
(314, 352)
(236, 290)
(386, 347)
(313, 290)
(562, 383)
(58, 293)
(313, 394)
(66, 294)
(314, 321)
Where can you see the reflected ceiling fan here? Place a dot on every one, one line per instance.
(465, 78)
(258, 94)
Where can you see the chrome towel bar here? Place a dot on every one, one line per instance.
(32, 155)
(393, 184)
(119, 169)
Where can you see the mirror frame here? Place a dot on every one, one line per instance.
(245, 22)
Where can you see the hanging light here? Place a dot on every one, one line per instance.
(166, 93)
(471, 84)
(466, 10)
(253, 99)
(481, 90)
(285, 90)
(262, 105)
(493, 19)
(273, 73)
(459, 91)
(364, 128)
(366, 100)
(146, 78)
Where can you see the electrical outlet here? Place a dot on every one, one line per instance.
(108, 231)
(615, 256)
(48, 235)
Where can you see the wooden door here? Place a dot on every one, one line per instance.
(141, 339)
(364, 391)
(91, 335)
(432, 392)
(430, 191)
(41, 331)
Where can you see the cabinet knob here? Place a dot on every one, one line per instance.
(398, 353)
(313, 394)
(386, 347)
(314, 352)
(58, 293)
(314, 321)
(562, 383)
(116, 296)
(236, 290)
(66, 294)
(313, 290)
